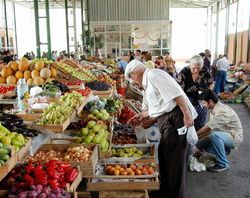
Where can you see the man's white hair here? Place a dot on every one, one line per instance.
(196, 60)
(132, 66)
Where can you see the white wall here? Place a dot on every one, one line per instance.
(188, 31)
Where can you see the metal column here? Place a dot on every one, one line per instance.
(227, 27)
(217, 29)
(82, 23)
(14, 10)
(68, 27)
(37, 25)
(38, 49)
(6, 24)
(48, 28)
(236, 30)
(88, 38)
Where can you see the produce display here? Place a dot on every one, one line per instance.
(15, 124)
(76, 125)
(73, 83)
(74, 154)
(123, 134)
(54, 173)
(35, 73)
(113, 105)
(97, 133)
(5, 89)
(132, 169)
(84, 75)
(127, 152)
(39, 191)
(102, 115)
(4, 153)
(56, 113)
(63, 88)
(126, 114)
(11, 138)
(84, 92)
(98, 86)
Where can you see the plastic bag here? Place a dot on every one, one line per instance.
(192, 137)
(196, 166)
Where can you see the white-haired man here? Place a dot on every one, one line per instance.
(165, 101)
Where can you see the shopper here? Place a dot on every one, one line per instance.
(222, 133)
(148, 61)
(170, 68)
(160, 63)
(192, 79)
(122, 64)
(207, 60)
(131, 56)
(165, 101)
(8, 57)
(138, 55)
(221, 74)
(213, 68)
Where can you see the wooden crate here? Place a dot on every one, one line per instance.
(81, 106)
(148, 150)
(30, 116)
(87, 168)
(114, 183)
(72, 188)
(124, 194)
(8, 165)
(24, 151)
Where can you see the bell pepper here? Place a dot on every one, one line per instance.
(70, 174)
(52, 174)
(53, 183)
(28, 179)
(65, 166)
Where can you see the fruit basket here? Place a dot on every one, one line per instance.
(131, 153)
(69, 152)
(135, 177)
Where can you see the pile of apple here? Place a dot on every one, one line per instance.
(127, 152)
(97, 133)
(84, 74)
(102, 115)
(132, 169)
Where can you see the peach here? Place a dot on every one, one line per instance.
(137, 172)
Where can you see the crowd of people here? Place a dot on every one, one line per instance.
(184, 101)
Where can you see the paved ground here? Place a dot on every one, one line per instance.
(234, 183)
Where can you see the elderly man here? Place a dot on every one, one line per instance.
(165, 101)
(222, 133)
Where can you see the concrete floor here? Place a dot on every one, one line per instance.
(235, 183)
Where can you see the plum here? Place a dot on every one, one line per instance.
(32, 194)
(42, 195)
(12, 196)
(51, 195)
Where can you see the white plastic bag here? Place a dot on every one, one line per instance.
(192, 137)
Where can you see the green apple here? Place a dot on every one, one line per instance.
(95, 112)
(84, 132)
(6, 140)
(97, 128)
(91, 124)
(96, 139)
(103, 111)
(99, 115)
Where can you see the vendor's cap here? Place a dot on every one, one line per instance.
(131, 67)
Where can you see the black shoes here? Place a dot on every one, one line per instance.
(217, 169)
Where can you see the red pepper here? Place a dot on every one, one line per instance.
(63, 184)
(65, 166)
(28, 179)
(70, 175)
(53, 183)
(52, 174)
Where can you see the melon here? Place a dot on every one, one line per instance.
(45, 73)
(35, 73)
(53, 72)
(24, 59)
(11, 80)
(2, 80)
(14, 66)
(23, 65)
(19, 74)
(30, 82)
(32, 66)
(38, 80)
(39, 65)
(9, 64)
(27, 74)
(6, 71)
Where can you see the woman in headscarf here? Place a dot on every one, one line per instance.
(193, 79)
